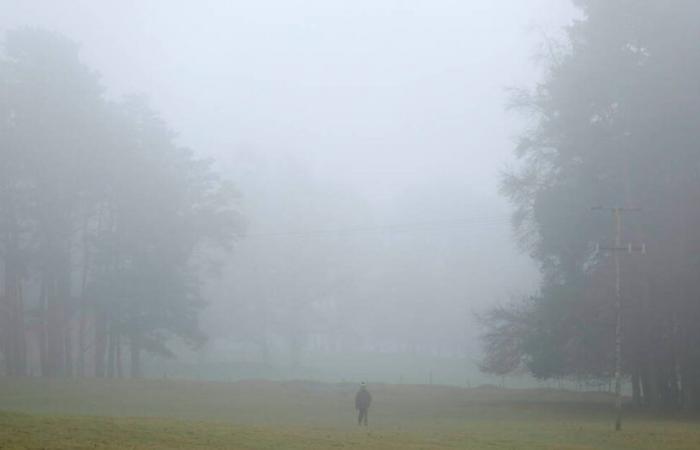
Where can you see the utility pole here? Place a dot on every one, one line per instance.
(616, 249)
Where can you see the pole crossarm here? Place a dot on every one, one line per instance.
(616, 208)
(629, 248)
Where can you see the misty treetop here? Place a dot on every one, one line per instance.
(106, 224)
(616, 124)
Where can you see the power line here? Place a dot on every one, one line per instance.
(431, 226)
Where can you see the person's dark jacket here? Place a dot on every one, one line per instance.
(362, 399)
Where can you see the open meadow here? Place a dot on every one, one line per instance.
(164, 414)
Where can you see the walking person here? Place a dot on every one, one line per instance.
(362, 401)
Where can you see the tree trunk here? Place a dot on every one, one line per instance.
(80, 368)
(118, 344)
(111, 353)
(100, 343)
(13, 339)
(54, 331)
(58, 290)
(83, 299)
(68, 346)
(43, 350)
(135, 356)
(636, 389)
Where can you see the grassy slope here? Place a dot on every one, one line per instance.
(264, 415)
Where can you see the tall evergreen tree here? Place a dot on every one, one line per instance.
(615, 125)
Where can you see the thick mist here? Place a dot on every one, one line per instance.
(365, 141)
(363, 224)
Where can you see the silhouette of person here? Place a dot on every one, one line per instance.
(362, 401)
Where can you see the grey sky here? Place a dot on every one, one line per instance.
(376, 94)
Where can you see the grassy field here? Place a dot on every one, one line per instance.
(150, 414)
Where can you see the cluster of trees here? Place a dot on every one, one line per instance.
(324, 269)
(288, 280)
(105, 223)
(615, 124)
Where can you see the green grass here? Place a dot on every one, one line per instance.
(149, 414)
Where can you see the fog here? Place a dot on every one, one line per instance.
(475, 218)
(366, 142)
(377, 95)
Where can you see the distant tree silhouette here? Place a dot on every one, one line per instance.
(104, 220)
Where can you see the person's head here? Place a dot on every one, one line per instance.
(363, 385)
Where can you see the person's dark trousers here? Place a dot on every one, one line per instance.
(362, 416)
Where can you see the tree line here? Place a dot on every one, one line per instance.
(614, 123)
(364, 278)
(107, 225)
